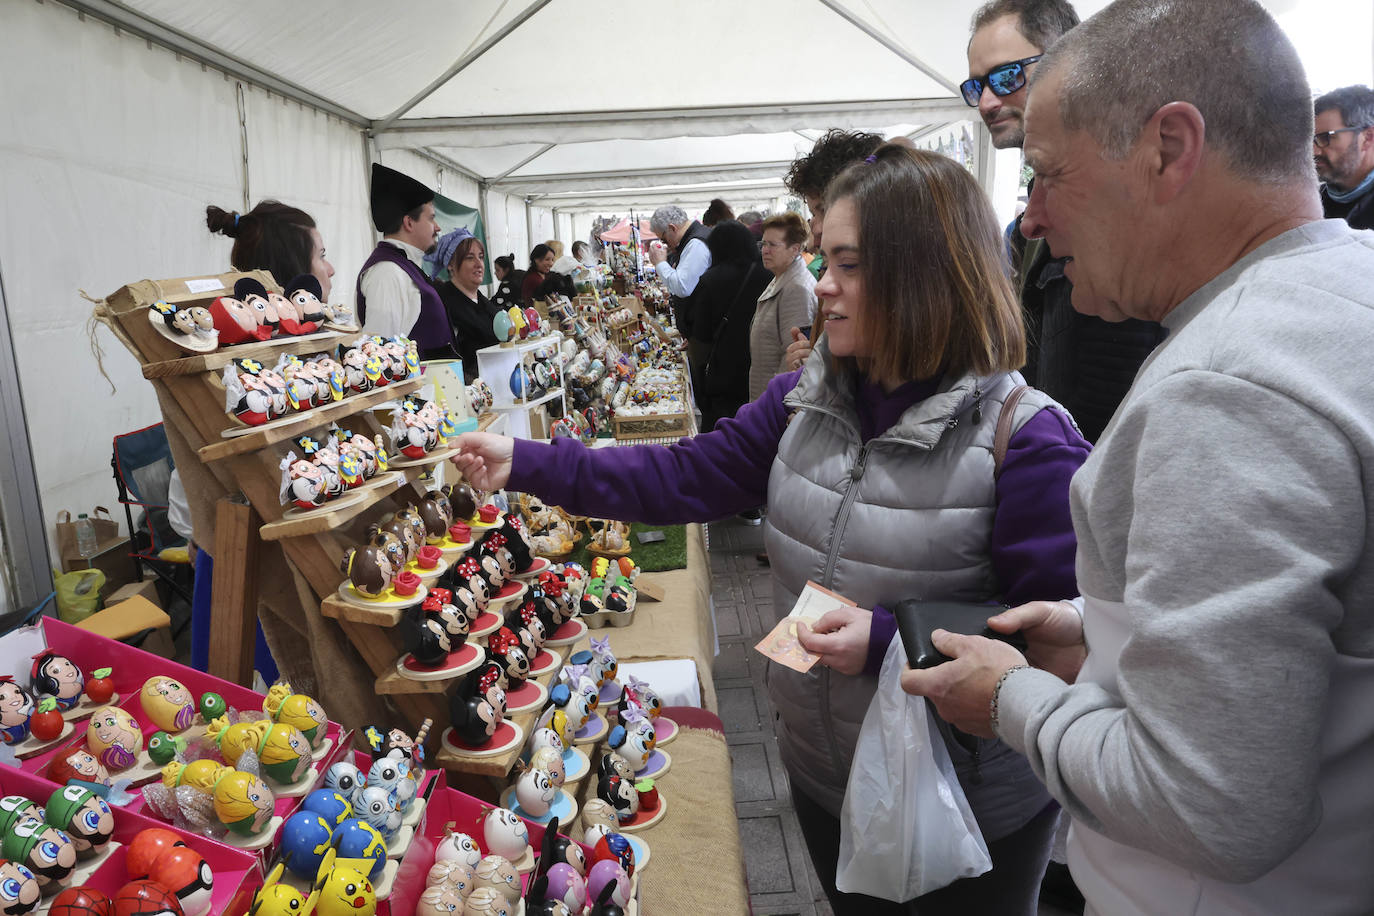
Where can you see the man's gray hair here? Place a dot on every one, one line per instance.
(1355, 103)
(1229, 58)
(1040, 22)
(663, 216)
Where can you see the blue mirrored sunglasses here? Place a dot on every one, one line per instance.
(1002, 80)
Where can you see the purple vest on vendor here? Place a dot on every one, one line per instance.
(432, 330)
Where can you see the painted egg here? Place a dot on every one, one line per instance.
(439, 900)
(346, 779)
(452, 872)
(567, 885)
(305, 838)
(535, 792)
(458, 847)
(186, 874)
(605, 872)
(147, 846)
(167, 703)
(496, 872)
(502, 326)
(330, 804)
(114, 738)
(550, 760)
(505, 833)
(357, 839)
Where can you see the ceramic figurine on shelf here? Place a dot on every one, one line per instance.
(330, 805)
(198, 774)
(620, 794)
(167, 703)
(177, 320)
(304, 840)
(297, 709)
(255, 298)
(612, 764)
(492, 683)
(550, 760)
(43, 849)
(509, 653)
(307, 312)
(390, 540)
(378, 809)
(163, 748)
(526, 622)
(505, 834)
(470, 576)
(76, 764)
(409, 435)
(614, 847)
(438, 604)
(425, 637)
(439, 900)
(323, 453)
(19, 893)
(471, 714)
(362, 371)
(458, 847)
(410, 516)
(463, 501)
(303, 482)
(639, 693)
(346, 779)
(242, 802)
(369, 569)
(342, 890)
(437, 515)
(278, 899)
(535, 792)
(56, 676)
(479, 397)
(558, 892)
(496, 560)
(357, 839)
(246, 395)
(236, 323)
(608, 884)
(633, 738)
(301, 389)
(114, 738)
(392, 775)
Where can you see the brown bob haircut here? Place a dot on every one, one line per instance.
(794, 228)
(936, 288)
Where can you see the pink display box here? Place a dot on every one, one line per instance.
(448, 805)
(132, 667)
(237, 873)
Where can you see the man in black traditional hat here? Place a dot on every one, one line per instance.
(394, 295)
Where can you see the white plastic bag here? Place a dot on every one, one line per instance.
(905, 828)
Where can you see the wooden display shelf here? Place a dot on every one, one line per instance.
(392, 683)
(328, 521)
(335, 608)
(497, 767)
(268, 351)
(652, 426)
(310, 419)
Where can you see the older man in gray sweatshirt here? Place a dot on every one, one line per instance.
(1205, 711)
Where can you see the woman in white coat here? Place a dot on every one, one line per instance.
(789, 301)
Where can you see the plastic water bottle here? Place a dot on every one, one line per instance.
(85, 537)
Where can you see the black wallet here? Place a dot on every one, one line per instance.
(916, 620)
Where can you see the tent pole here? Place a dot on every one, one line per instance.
(529, 226)
(462, 63)
(558, 236)
(523, 162)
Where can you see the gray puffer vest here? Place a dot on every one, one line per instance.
(907, 515)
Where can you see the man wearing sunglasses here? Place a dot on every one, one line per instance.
(1082, 361)
(1343, 149)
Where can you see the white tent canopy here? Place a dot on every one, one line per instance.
(126, 117)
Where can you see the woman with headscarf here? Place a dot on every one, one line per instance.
(469, 312)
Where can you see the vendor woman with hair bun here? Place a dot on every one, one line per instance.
(876, 461)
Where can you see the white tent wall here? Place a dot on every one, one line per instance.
(105, 173)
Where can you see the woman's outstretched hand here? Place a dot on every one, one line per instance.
(484, 459)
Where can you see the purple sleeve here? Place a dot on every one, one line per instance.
(699, 479)
(880, 633)
(1033, 543)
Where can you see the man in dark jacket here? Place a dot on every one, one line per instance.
(1083, 362)
(723, 303)
(1343, 149)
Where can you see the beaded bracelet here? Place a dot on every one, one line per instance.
(996, 691)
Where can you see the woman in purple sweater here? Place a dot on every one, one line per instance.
(876, 462)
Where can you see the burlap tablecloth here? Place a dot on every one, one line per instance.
(680, 625)
(696, 864)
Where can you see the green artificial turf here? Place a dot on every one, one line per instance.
(670, 553)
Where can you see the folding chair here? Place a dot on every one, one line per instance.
(142, 463)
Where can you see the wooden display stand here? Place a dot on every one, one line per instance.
(249, 462)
